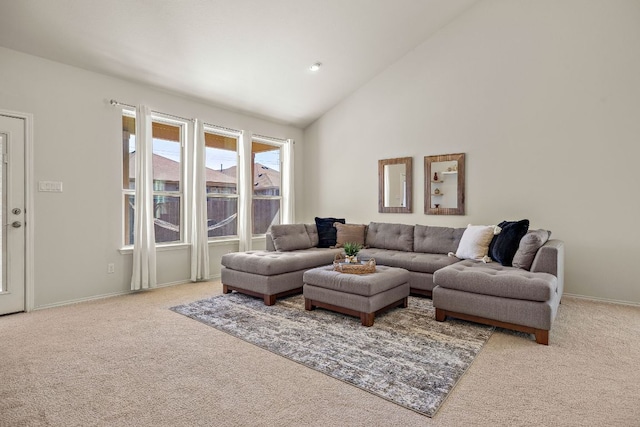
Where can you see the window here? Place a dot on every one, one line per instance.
(267, 198)
(167, 166)
(221, 175)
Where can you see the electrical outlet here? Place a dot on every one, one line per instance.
(111, 268)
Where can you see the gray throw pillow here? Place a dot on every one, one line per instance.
(290, 237)
(528, 248)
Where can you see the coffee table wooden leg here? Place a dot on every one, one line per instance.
(367, 318)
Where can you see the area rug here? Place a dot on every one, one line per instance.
(406, 357)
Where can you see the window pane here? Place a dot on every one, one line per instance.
(128, 152)
(266, 212)
(266, 169)
(221, 161)
(167, 154)
(166, 213)
(222, 216)
(129, 204)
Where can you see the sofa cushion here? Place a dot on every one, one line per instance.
(497, 280)
(353, 233)
(390, 236)
(412, 261)
(436, 240)
(290, 237)
(327, 233)
(475, 241)
(528, 247)
(504, 246)
(268, 263)
(312, 231)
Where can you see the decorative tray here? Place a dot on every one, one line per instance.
(363, 267)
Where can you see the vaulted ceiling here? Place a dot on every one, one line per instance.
(250, 56)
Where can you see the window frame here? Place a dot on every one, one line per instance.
(280, 145)
(183, 125)
(228, 196)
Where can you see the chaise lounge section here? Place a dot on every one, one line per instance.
(272, 274)
(507, 297)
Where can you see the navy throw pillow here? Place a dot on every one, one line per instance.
(503, 247)
(327, 233)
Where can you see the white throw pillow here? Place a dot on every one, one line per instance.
(475, 241)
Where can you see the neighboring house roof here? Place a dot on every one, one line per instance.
(165, 169)
(264, 176)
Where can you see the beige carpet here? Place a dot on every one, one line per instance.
(130, 361)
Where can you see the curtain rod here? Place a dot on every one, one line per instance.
(222, 128)
(116, 103)
(269, 138)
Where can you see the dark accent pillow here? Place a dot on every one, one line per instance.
(503, 247)
(327, 233)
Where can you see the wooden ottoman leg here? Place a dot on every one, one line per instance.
(269, 299)
(225, 289)
(367, 318)
(440, 315)
(405, 302)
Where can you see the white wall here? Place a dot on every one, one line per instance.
(539, 95)
(77, 140)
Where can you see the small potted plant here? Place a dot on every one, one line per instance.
(351, 251)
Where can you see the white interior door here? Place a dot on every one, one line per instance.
(12, 214)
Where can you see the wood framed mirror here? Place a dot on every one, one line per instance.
(395, 181)
(444, 184)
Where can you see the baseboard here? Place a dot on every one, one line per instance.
(607, 300)
(112, 294)
(79, 300)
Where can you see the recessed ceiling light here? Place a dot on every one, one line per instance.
(316, 66)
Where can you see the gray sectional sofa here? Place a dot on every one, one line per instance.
(522, 299)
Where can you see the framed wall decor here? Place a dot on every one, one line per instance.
(444, 184)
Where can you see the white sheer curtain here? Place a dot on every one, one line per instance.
(199, 231)
(245, 175)
(144, 240)
(288, 178)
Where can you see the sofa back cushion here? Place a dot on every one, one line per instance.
(383, 235)
(436, 240)
(290, 237)
(312, 231)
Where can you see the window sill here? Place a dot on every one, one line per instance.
(223, 241)
(176, 246)
(171, 247)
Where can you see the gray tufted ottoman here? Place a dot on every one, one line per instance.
(360, 295)
(270, 275)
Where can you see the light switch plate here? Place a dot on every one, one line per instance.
(50, 186)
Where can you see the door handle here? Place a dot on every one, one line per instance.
(16, 224)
